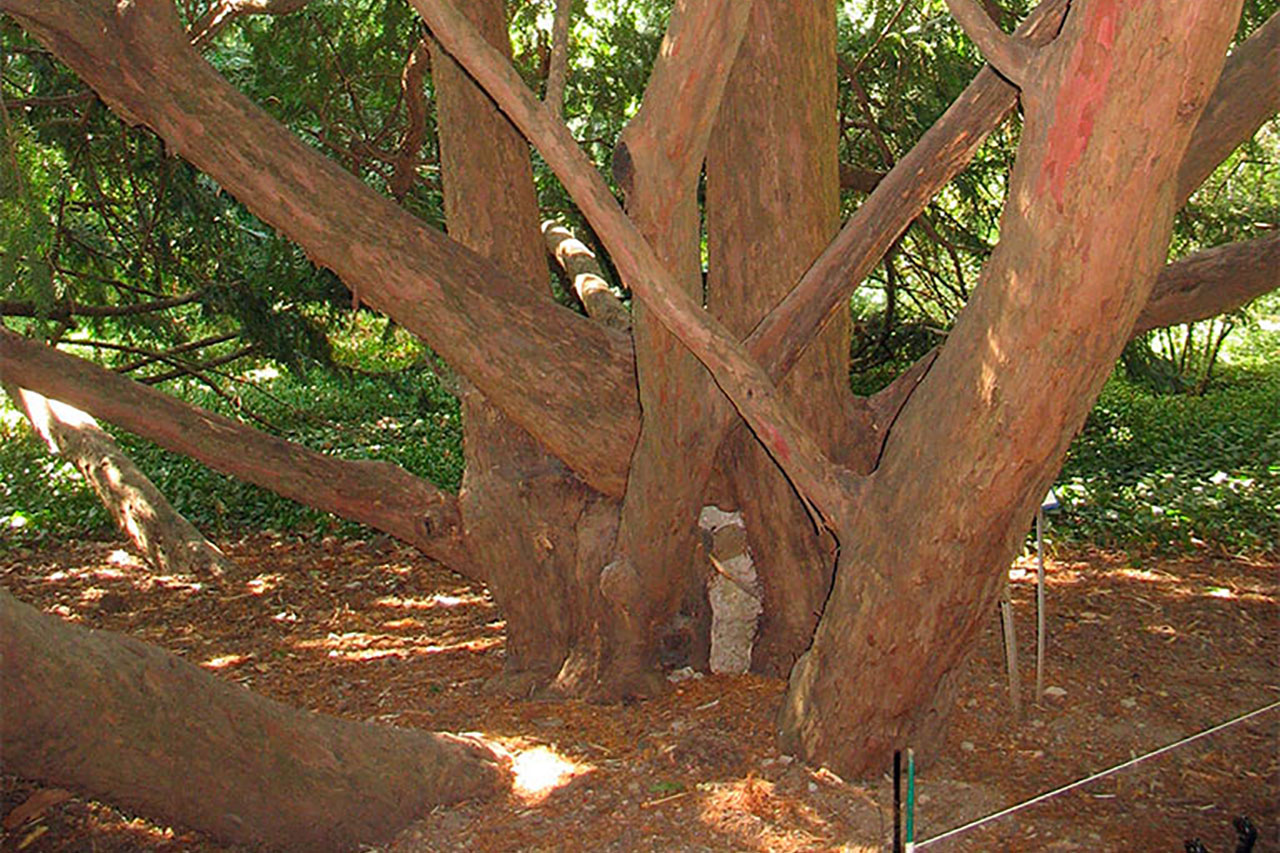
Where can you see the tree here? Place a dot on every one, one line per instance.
(880, 524)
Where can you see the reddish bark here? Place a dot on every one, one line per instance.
(583, 270)
(378, 493)
(765, 226)
(983, 434)
(1212, 282)
(120, 720)
(983, 426)
(658, 569)
(138, 63)
(520, 506)
(1245, 97)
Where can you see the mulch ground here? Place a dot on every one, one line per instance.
(1140, 654)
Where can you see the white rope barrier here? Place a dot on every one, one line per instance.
(1096, 776)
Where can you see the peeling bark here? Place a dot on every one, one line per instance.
(765, 226)
(979, 427)
(1245, 97)
(580, 265)
(527, 517)
(123, 721)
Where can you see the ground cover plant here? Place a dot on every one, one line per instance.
(1151, 470)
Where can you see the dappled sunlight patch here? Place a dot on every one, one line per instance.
(398, 624)
(109, 574)
(462, 599)
(262, 374)
(92, 595)
(121, 557)
(179, 583)
(225, 661)
(264, 583)
(760, 814)
(539, 771)
(1143, 575)
(359, 646)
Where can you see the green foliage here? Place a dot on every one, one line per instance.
(1169, 472)
(28, 176)
(40, 494)
(409, 417)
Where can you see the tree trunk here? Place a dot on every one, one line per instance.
(168, 542)
(655, 584)
(123, 721)
(765, 226)
(540, 531)
(1092, 200)
(553, 442)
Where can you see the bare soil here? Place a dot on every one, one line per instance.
(1141, 653)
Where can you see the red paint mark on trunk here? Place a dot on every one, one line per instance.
(1080, 96)
(775, 441)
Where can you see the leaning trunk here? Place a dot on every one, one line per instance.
(118, 719)
(168, 542)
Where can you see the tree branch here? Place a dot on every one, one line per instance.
(376, 493)
(944, 150)
(682, 98)
(191, 749)
(1011, 56)
(151, 358)
(580, 264)
(1212, 282)
(741, 378)
(143, 515)
(405, 161)
(139, 61)
(557, 74)
(223, 12)
(1243, 99)
(1246, 96)
(197, 368)
(67, 310)
(859, 179)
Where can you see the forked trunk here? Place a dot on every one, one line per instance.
(772, 207)
(1092, 198)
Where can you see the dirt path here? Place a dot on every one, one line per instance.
(1141, 653)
